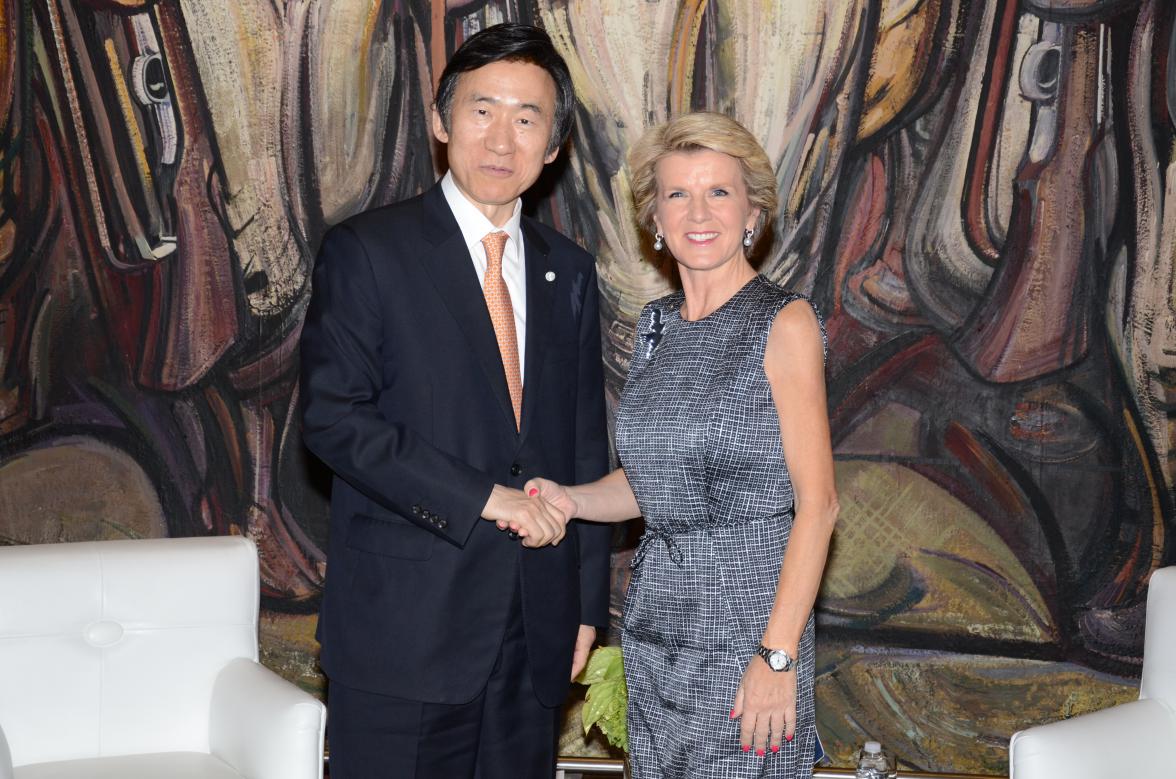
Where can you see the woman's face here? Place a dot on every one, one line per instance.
(702, 208)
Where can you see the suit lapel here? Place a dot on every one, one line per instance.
(452, 272)
(540, 293)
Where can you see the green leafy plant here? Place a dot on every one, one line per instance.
(608, 697)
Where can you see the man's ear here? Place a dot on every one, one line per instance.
(550, 158)
(439, 131)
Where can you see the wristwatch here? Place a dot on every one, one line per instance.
(777, 659)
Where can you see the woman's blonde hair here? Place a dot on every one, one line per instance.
(696, 132)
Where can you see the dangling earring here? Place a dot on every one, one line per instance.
(658, 243)
(747, 238)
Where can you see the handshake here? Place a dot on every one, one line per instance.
(538, 514)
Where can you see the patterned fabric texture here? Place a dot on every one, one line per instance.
(498, 303)
(699, 438)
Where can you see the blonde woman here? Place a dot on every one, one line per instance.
(723, 436)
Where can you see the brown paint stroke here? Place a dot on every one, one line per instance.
(1035, 315)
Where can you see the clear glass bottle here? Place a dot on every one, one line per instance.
(874, 763)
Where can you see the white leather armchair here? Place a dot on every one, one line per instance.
(137, 659)
(1130, 740)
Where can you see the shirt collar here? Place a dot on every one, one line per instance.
(473, 223)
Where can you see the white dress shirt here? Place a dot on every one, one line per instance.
(474, 227)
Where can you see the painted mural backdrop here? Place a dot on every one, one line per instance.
(980, 194)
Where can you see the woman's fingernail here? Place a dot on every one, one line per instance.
(731, 715)
(532, 492)
(788, 737)
(747, 747)
(759, 752)
(775, 747)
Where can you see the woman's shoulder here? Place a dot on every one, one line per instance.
(666, 303)
(656, 312)
(772, 299)
(769, 297)
(652, 322)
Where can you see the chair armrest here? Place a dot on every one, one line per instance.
(1132, 739)
(5, 757)
(263, 726)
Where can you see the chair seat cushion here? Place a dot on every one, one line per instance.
(172, 765)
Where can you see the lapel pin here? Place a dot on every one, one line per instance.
(550, 275)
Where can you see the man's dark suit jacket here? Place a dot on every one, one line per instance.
(405, 399)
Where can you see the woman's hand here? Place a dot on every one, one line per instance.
(766, 702)
(559, 496)
(535, 521)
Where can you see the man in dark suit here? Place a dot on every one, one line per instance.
(451, 351)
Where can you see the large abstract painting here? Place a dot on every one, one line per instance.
(979, 194)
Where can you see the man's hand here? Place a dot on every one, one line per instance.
(535, 520)
(584, 641)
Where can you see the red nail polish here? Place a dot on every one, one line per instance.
(731, 715)
(533, 492)
(759, 752)
(747, 747)
(775, 747)
(788, 737)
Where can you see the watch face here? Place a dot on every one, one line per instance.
(778, 660)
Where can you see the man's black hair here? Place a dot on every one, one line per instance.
(511, 42)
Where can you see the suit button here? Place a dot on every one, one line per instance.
(441, 523)
(427, 515)
(416, 509)
(516, 469)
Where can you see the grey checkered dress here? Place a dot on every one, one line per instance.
(699, 438)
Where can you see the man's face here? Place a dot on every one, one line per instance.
(499, 129)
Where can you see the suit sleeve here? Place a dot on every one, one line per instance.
(592, 460)
(342, 352)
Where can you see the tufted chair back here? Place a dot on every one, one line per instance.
(113, 647)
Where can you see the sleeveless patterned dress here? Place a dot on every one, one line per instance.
(699, 438)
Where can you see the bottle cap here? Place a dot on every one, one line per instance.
(872, 748)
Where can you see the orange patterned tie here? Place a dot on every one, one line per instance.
(502, 317)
